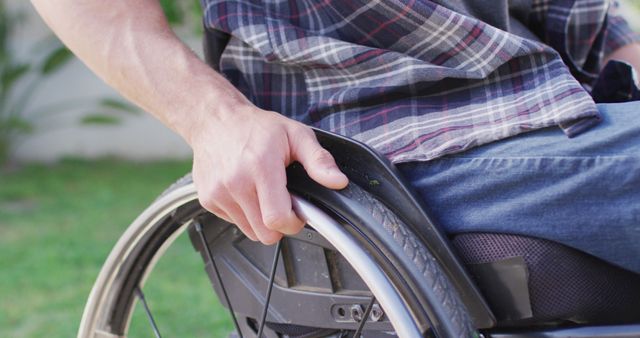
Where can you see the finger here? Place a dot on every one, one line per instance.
(317, 161)
(227, 209)
(248, 202)
(221, 214)
(275, 201)
(241, 222)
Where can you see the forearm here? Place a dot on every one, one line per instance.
(240, 151)
(129, 44)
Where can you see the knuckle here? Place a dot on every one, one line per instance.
(211, 198)
(274, 220)
(300, 133)
(248, 158)
(209, 203)
(247, 231)
(255, 157)
(305, 131)
(236, 180)
(256, 167)
(322, 155)
(257, 153)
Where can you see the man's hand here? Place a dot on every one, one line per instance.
(239, 169)
(240, 151)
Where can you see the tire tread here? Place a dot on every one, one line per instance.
(422, 259)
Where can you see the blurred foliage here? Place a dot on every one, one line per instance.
(184, 13)
(109, 111)
(20, 79)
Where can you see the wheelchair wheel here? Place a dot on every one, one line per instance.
(354, 232)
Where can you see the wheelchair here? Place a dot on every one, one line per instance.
(369, 263)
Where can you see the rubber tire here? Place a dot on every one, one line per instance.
(451, 309)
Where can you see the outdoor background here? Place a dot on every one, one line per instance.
(77, 165)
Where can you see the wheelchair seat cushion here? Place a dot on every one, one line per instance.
(545, 282)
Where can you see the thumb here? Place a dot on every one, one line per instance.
(318, 162)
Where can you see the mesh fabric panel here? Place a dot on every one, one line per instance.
(564, 283)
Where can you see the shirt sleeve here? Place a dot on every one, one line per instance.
(618, 31)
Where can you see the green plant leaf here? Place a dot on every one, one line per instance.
(56, 59)
(196, 10)
(5, 27)
(13, 74)
(196, 17)
(17, 124)
(172, 11)
(119, 105)
(4, 49)
(100, 119)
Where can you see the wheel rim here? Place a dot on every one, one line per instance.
(109, 285)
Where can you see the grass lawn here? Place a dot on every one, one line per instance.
(58, 224)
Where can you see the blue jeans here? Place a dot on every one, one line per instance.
(583, 192)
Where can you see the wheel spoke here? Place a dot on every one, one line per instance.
(269, 288)
(203, 238)
(364, 318)
(148, 311)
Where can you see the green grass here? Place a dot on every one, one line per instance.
(58, 224)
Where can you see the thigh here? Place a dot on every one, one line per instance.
(583, 192)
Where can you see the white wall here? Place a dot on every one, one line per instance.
(60, 134)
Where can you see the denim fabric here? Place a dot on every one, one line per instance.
(583, 192)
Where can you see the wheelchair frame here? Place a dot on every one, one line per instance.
(374, 175)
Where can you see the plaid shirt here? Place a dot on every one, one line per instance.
(413, 79)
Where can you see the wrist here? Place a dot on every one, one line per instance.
(218, 104)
